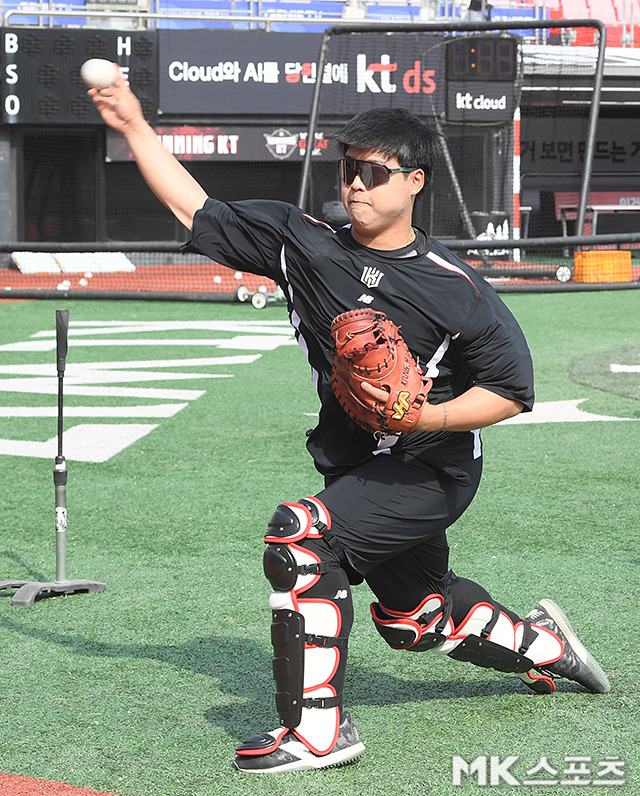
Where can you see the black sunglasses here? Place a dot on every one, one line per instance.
(371, 174)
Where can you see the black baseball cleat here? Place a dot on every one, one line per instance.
(292, 755)
(576, 663)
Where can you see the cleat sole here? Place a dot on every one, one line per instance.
(559, 617)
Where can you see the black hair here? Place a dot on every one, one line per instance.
(397, 133)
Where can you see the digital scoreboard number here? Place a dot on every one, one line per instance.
(482, 78)
(482, 58)
(40, 72)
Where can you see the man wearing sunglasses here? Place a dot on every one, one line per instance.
(387, 501)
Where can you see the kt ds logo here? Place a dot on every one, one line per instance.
(375, 77)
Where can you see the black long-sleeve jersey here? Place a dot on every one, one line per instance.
(453, 321)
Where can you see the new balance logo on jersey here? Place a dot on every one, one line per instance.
(365, 298)
(341, 594)
(371, 276)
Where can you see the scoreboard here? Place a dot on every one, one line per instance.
(482, 78)
(41, 82)
(483, 58)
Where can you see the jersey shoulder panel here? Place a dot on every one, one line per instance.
(444, 258)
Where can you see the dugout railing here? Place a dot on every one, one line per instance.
(162, 271)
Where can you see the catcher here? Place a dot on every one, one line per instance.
(412, 353)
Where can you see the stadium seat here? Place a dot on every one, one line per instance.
(603, 10)
(575, 9)
(57, 8)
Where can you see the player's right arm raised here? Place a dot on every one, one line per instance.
(166, 177)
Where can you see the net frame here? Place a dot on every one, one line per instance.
(460, 28)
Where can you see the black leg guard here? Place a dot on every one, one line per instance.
(287, 639)
(312, 614)
(488, 654)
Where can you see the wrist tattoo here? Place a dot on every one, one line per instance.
(445, 417)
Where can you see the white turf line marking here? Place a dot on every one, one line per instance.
(624, 368)
(90, 442)
(98, 442)
(128, 364)
(115, 327)
(43, 386)
(560, 412)
(238, 343)
(159, 410)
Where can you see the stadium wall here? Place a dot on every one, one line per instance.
(238, 122)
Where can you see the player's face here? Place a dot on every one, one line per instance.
(384, 208)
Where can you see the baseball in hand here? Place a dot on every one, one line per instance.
(99, 73)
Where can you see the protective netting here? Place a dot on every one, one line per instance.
(514, 108)
(503, 103)
(173, 275)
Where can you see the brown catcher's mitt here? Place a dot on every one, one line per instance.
(368, 347)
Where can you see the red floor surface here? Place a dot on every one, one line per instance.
(211, 278)
(187, 278)
(16, 785)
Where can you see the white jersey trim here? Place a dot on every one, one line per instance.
(385, 443)
(449, 266)
(431, 368)
(477, 444)
(295, 320)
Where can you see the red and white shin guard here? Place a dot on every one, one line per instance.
(486, 636)
(312, 615)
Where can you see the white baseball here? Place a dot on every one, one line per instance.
(99, 73)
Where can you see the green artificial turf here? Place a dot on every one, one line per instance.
(146, 688)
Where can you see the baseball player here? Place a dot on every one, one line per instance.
(389, 494)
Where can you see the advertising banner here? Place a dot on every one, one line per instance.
(480, 102)
(239, 72)
(228, 142)
(236, 72)
(558, 146)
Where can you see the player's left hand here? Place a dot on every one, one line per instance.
(381, 396)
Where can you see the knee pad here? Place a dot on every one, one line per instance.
(292, 522)
(422, 629)
(287, 565)
(311, 619)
